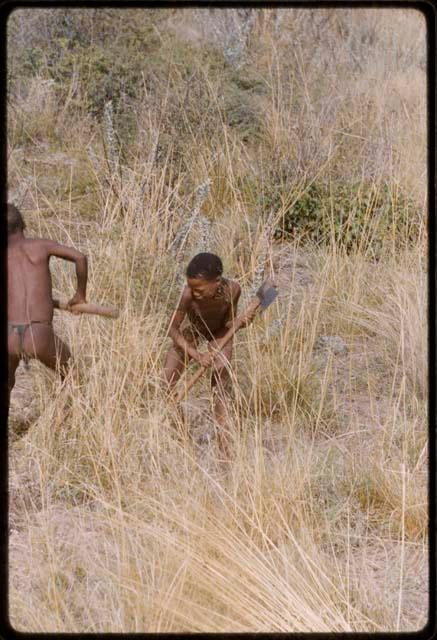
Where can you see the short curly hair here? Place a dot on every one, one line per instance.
(205, 265)
(15, 219)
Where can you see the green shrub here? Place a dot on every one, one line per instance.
(355, 216)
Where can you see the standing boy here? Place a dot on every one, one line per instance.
(210, 303)
(30, 304)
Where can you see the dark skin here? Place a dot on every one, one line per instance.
(30, 300)
(216, 316)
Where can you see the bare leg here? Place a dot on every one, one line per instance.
(20, 426)
(40, 342)
(13, 361)
(174, 366)
(176, 361)
(220, 382)
(58, 357)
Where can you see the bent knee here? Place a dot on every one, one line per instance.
(220, 367)
(171, 376)
(220, 377)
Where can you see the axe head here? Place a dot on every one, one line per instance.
(267, 293)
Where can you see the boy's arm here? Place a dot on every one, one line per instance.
(175, 323)
(81, 262)
(233, 310)
(232, 313)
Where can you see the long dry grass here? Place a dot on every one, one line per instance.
(122, 516)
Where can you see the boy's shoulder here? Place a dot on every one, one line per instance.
(36, 244)
(186, 298)
(36, 241)
(40, 241)
(35, 249)
(234, 286)
(28, 243)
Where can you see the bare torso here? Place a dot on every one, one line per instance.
(29, 281)
(30, 304)
(209, 316)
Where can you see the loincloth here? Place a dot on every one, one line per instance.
(20, 329)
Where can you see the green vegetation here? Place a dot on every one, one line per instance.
(359, 216)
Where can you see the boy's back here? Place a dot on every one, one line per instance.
(29, 281)
(30, 304)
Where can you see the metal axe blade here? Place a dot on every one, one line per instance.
(267, 292)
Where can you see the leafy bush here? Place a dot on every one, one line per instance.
(242, 114)
(352, 215)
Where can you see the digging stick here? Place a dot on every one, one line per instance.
(263, 298)
(87, 307)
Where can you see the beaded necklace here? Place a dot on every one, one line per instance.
(223, 292)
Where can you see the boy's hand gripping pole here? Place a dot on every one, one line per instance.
(262, 299)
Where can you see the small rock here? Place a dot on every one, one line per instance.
(336, 344)
(204, 439)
